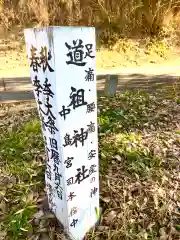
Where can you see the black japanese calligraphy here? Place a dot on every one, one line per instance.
(93, 191)
(70, 181)
(67, 140)
(34, 59)
(45, 56)
(76, 54)
(55, 156)
(89, 75)
(73, 211)
(74, 222)
(71, 196)
(58, 176)
(49, 107)
(78, 137)
(47, 90)
(60, 193)
(68, 162)
(48, 171)
(81, 175)
(92, 154)
(53, 143)
(50, 124)
(91, 127)
(58, 187)
(91, 107)
(77, 98)
(89, 51)
(56, 170)
(64, 112)
(38, 86)
(92, 179)
(92, 169)
(41, 60)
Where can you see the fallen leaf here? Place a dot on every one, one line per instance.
(3, 206)
(110, 216)
(163, 235)
(43, 230)
(30, 196)
(102, 228)
(44, 236)
(48, 216)
(39, 214)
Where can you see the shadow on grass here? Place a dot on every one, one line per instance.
(20, 89)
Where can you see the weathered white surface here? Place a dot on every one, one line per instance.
(81, 212)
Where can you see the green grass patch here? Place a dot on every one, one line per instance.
(23, 174)
(135, 156)
(124, 112)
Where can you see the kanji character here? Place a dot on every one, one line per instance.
(91, 107)
(53, 143)
(38, 86)
(76, 53)
(50, 124)
(91, 154)
(92, 179)
(58, 177)
(74, 222)
(71, 196)
(93, 191)
(68, 162)
(90, 75)
(45, 56)
(60, 193)
(73, 211)
(47, 90)
(34, 59)
(92, 169)
(81, 175)
(79, 137)
(64, 112)
(91, 127)
(55, 156)
(77, 97)
(67, 140)
(89, 51)
(70, 181)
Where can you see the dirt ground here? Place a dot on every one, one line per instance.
(125, 54)
(138, 64)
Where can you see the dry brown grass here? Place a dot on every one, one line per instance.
(121, 16)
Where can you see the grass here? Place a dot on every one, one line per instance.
(139, 145)
(117, 17)
(20, 168)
